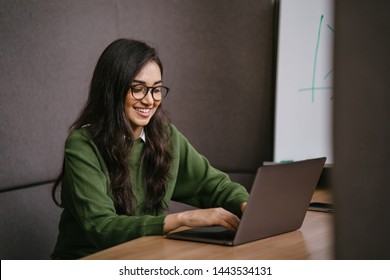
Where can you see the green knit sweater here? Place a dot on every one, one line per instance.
(89, 222)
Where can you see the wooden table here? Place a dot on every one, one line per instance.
(314, 240)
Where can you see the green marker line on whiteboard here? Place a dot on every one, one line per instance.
(286, 161)
(315, 60)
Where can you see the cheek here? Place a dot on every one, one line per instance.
(156, 104)
(129, 103)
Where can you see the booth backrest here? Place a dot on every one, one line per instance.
(218, 61)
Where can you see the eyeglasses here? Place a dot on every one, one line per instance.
(140, 91)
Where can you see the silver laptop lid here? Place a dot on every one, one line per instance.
(279, 199)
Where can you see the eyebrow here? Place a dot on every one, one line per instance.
(142, 82)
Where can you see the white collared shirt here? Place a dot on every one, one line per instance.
(143, 135)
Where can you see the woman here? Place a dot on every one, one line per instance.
(124, 162)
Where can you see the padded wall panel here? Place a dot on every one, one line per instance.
(47, 51)
(29, 222)
(218, 63)
(361, 130)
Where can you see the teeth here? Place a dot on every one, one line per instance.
(143, 110)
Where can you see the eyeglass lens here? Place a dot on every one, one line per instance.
(139, 91)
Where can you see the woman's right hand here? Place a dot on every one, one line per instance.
(202, 217)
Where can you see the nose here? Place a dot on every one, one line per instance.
(148, 98)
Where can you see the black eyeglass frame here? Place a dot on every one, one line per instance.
(147, 91)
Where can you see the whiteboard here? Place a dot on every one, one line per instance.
(304, 80)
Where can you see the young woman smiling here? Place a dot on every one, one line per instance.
(124, 161)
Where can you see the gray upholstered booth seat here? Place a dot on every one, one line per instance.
(29, 223)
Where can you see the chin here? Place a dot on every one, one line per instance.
(141, 122)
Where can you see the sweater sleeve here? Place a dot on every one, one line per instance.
(86, 195)
(201, 185)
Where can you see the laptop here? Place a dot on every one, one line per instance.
(278, 202)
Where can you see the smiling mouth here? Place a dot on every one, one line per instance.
(143, 110)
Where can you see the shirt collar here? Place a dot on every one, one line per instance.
(143, 135)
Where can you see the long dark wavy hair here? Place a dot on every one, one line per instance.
(111, 131)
